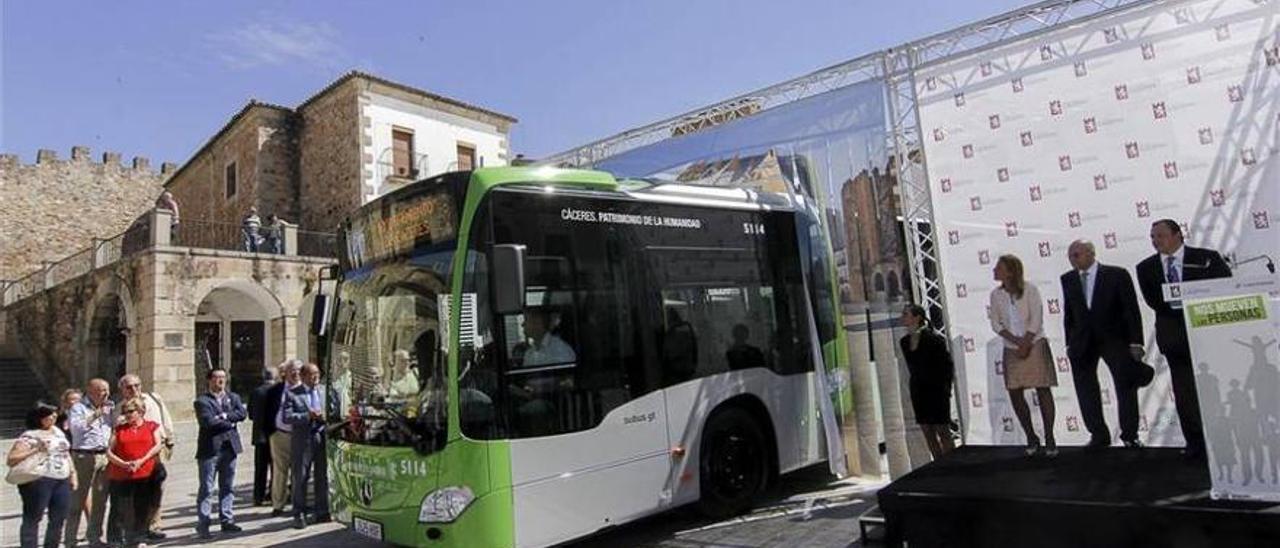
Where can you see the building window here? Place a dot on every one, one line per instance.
(229, 179)
(402, 153)
(466, 157)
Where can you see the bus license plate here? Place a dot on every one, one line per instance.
(371, 529)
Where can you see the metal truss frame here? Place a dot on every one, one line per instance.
(897, 67)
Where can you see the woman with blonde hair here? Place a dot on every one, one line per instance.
(133, 468)
(1017, 316)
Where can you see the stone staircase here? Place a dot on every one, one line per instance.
(20, 389)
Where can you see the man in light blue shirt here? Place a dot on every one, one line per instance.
(90, 422)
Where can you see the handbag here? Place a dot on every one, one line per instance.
(30, 469)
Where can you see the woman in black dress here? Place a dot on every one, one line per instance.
(931, 368)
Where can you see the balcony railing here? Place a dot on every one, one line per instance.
(154, 229)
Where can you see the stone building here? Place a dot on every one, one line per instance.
(170, 301)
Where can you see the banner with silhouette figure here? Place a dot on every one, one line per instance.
(1234, 346)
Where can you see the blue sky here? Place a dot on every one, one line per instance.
(158, 78)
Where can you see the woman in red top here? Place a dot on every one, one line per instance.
(132, 456)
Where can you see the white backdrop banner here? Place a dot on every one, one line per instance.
(1095, 130)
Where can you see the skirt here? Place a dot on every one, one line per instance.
(1036, 371)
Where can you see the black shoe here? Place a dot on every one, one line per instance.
(277, 512)
(231, 527)
(1132, 444)
(1098, 442)
(203, 533)
(322, 518)
(299, 522)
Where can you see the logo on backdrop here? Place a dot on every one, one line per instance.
(1081, 69)
(1109, 240)
(1106, 396)
(939, 135)
(1036, 194)
(975, 203)
(994, 121)
(984, 257)
(975, 399)
(1100, 182)
(1073, 219)
(1206, 135)
(967, 151)
(959, 99)
(931, 83)
(946, 184)
(1073, 424)
(1055, 107)
(1131, 149)
(968, 345)
(1064, 364)
(1011, 228)
(1122, 92)
(985, 67)
(1273, 56)
(1064, 163)
(1222, 32)
(1182, 15)
(1148, 51)
(1090, 125)
(1017, 85)
(1025, 137)
(1235, 93)
(1002, 174)
(1218, 197)
(1046, 52)
(1261, 220)
(1006, 424)
(962, 291)
(1045, 249)
(1055, 306)
(1144, 208)
(953, 237)
(1171, 170)
(1111, 35)
(1000, 367)
(1248, 157)
(1159, 111)
(1193, 75)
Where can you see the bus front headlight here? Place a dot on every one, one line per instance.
(445, 504)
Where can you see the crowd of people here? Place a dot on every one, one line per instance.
(105, 459)
(1101, 320)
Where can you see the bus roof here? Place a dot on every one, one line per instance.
(493, 176)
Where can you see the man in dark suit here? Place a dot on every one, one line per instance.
(218, 411)
(304, 410)
(1174, 262)
(1102, 320)
(260, 412)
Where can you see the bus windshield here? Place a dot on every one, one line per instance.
(388, 363)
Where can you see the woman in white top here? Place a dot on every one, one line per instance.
(51, 490)
(1017, 316)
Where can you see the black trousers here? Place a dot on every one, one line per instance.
(1171, 334)
(131, 503)
(261, 472)
(1084, 371)
(44, 495)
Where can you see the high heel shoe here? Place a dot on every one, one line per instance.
(1033, 446)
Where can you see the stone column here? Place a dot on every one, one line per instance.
(290, 239)
(163, 340)
(284, 338)
(161, 219)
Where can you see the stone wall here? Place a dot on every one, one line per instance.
(53, 208)
(259, 141)
(330, 159)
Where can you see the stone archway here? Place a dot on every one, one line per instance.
(234, 331)
(106, 348)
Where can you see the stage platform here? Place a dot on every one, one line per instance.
(985, 496)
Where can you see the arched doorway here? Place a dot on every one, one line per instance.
(106, 347)
(231, 333)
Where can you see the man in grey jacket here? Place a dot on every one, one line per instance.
(304, 410)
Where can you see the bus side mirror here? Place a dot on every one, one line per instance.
(508, 278)
(321, 315)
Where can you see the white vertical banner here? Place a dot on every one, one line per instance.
(1234, 348)
(1095, 130)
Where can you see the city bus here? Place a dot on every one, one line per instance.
(525, 356)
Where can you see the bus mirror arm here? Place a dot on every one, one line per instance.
(508, 278)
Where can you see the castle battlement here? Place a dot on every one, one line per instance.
(81, 155)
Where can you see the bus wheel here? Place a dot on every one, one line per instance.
(733, 466)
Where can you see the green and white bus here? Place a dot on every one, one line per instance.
(525, 356)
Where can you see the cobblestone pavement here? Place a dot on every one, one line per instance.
(809, 510)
